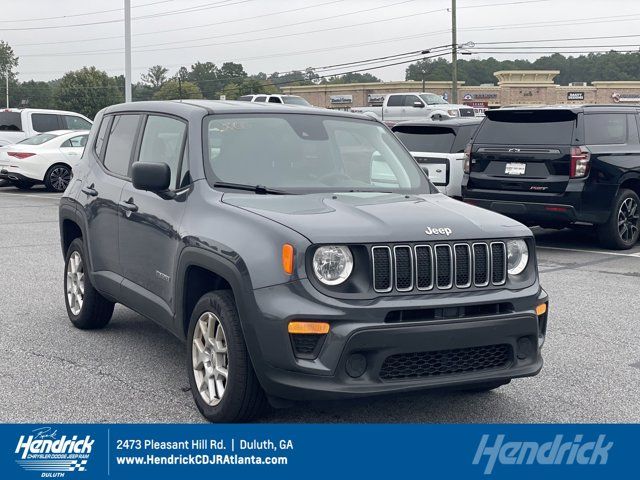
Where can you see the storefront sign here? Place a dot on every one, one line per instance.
(480, 96)
(626, 97)
(375, 99)
(575, 95)
(337, 99)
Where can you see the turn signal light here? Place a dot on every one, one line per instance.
(541, 309)
(287, 258)
(309, 328)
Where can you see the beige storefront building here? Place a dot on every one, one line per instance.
(516, 87)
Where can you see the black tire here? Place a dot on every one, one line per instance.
(95, 311)
(243, 398)
(614, 236)
(485, 387)
(58, 178)
(23, 185)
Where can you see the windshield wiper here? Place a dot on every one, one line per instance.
(259, 189)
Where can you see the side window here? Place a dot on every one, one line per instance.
(185, 173)
(275, 100)
(75, 142)
(395, 101)
(260, 99)
(120, 142)
(72, 122)
(409, 100)
(605, 129)
(162, 142)
(45, 122)
(102, 132)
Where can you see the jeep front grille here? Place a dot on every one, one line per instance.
(439, 266)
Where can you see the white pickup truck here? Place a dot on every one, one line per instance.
(399, 107)
(16, 124)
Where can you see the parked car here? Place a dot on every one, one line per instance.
(399, 107)
(47, 158)
(257, 234)
(439, 149)
(17, 124)
(276, 98)
(558, 166)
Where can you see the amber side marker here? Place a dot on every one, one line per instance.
(287, 258)
(308, 328)
(541, 309)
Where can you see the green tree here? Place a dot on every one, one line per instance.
(205, 76)
(87, 91)
(31, 94)
(354, 78)
(155, 77)
(8, 61)
(175, 90)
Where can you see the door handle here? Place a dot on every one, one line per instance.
(92, 192)
(129, 206)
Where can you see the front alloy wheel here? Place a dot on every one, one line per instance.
(628, 217)
(210, 359)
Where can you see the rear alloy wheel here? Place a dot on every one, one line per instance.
(57, 178)
(623, 227)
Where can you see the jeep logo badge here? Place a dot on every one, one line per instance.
(438, 231)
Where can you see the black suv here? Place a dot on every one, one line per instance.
(293, 266)
(558, 166)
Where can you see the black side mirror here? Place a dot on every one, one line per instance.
(417, 104)
(155, 177)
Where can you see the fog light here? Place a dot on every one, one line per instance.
(525, 348)
(356, 365)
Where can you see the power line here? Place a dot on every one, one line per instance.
(197, 8)
(74, 15)
(605, 37)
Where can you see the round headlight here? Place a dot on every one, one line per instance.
(332, 264)
(517, 256)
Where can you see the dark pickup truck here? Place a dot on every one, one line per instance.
(560, 166)
(261, 235)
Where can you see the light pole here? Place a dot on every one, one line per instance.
(454, 54)
(127, 50)
(6, 76)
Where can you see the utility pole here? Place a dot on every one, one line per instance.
(127, 50)
(6, 76)
(454, 54)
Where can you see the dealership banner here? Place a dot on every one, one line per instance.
(131, 451)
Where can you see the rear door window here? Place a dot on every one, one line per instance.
(395, 101)
(120, 143)
(605, 129)
(45, 122)
(274, 100)
(10, 122)
(426, 139)
(527, 127)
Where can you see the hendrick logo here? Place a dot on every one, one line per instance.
(51, 454)
(514, 150)
(438, 231)
(556, 452)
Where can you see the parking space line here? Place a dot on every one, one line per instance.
(52, 196)
(633, 255)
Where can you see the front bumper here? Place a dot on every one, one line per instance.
(362, 329)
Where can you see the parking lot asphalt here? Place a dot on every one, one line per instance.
(133, 371)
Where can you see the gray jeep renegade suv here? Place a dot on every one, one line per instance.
(301, 253)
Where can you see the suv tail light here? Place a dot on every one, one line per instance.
(580, 162)
(467, 159)
(20, 154)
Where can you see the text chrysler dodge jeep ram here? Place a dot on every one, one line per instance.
(301, 253)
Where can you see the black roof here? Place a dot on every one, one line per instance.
(572, 108)
(184, 107)
(448, 123)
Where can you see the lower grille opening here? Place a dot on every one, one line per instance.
(425, 314)
(306, 346)
(457, 361)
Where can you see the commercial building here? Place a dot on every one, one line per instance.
(514, 87)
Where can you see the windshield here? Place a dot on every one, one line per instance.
(300, 153)
(295, 101)
(433, 99)
(38, 139)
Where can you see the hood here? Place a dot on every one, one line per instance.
(378, 217)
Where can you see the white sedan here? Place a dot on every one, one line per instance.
(46, 158)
